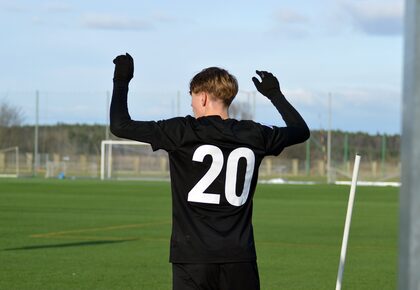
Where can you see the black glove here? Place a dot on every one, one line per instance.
(124, 68)
(269, 85)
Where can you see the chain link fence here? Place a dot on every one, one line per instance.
(73, 151)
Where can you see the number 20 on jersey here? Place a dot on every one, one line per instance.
(198, 194)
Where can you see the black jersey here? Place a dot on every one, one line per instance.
(214, 170)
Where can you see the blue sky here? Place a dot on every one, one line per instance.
(349, 49)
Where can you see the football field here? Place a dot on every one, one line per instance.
(88, 234)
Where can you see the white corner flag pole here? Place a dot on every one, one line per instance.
(348, 222)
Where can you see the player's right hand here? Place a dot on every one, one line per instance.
(124, 68)
(268, 86)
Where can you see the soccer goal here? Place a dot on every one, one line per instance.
(132, 160)
(9, 162)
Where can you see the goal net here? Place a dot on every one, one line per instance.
(132, 160)
(9, 162)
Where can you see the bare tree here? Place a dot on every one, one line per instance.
(10, 115)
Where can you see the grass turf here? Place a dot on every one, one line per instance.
(65, 234)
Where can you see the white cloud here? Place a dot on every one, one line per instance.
(57, 7)
(119, 22)
(38, 20)
(26, 6)
(362, 103)
(15, 7)
(288, 16)
(376, 17)
(112, 22)
(163, 17)
(301, 96)
(291, 23)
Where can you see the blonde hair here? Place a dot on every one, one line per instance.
(217, 82)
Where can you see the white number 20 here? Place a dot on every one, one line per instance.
(197, 193)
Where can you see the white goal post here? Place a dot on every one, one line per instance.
(9, 162)
(123, 159)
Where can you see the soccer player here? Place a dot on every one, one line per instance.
(214, 163)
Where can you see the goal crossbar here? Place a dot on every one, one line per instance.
(104, 143)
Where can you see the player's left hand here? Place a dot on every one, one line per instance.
(268, 86)
(124, 68)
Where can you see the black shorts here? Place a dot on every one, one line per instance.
(229, 276)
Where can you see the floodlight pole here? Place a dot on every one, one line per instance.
(102, 160)
(329, 167)
(107, 115)
(36, 155)
(17, 161)
(409, 236)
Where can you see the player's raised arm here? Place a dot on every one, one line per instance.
(119, 117)
(270, 87)
(152, 132)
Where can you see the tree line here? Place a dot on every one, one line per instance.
(75, 139)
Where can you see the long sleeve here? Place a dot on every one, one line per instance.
(298, 131)
(121, 123)
(163, 134)
(119, 116)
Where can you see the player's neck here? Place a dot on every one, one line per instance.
(223, 113)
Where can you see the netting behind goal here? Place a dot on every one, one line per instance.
(9, 162)
(132, 160)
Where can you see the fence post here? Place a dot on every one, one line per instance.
(2, 161)
(374, 165)
(269, 166)
(383, 154)
(137, 164)
(321, 167)
(308, 157)
(295, 167)
(163, 166)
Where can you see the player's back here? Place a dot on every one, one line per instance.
(214, 171)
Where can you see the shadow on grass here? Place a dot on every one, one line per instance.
(67, 245)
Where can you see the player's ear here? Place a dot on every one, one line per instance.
(204, 99)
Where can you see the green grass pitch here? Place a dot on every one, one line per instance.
(72, 234)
